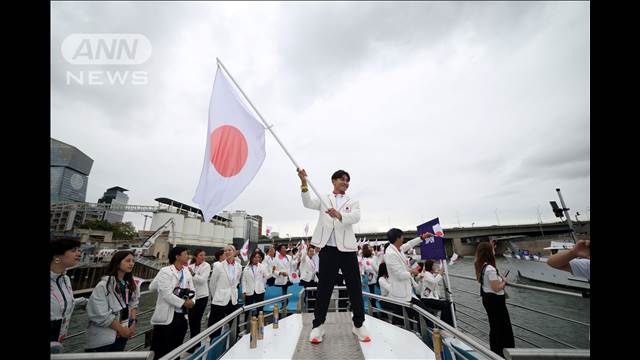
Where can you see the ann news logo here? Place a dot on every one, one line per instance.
(117, 50)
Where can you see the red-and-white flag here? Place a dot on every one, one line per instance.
(244, 251)
(268, 231)
(235, 148)
(437, 230)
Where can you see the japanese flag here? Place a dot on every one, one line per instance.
(437, 230)
(235, 148)
(244, 252)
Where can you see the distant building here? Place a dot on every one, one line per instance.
(114, 196)
(70, 170)
(244, 226)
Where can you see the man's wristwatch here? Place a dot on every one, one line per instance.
(304, 188)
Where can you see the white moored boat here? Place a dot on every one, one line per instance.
(535, 267)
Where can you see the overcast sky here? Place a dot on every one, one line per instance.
(458, 110)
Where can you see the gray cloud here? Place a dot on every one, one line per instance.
(436, 109)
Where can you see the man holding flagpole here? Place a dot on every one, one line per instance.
(334, 234)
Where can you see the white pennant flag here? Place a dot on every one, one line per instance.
(244, 252)
(235, 148)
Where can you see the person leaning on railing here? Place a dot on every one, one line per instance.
(65, 253)
(576, 261)
(493, 299)
(429, 294)
(113, 306)
(169, 316)
(400, 273)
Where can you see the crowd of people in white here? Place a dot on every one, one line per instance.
(190, 283)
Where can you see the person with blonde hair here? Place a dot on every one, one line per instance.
(223, 285)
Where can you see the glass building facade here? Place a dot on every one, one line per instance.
(70, 170)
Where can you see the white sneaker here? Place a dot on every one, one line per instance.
(361, 333)
(316, 335)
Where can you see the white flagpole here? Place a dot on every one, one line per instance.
(272, 133)
(448, 294)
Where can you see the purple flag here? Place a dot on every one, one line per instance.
(433, 247)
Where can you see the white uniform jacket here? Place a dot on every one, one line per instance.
(400, 278)
(201, 279)
(254, 278)
(222, 288)
(345, 237)
(167, 303)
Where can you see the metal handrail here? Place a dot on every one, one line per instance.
(455, 332)
(202, 335)
(484, 321)
(555, 354)
(528, 287)
(133, 355)
(530, 309)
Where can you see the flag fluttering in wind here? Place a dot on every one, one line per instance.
(454, 258)
(433, 247)
(269, 231)
(235, 148)
(244, 252)
(306, 229)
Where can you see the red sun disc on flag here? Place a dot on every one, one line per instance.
(294, 275)
(229, 150)
(439, 233)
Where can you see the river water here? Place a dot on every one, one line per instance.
(470, 314)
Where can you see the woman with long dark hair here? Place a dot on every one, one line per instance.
(113, 306)
(493, 299)
(369, 267)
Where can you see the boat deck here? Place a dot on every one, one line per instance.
(291, 341)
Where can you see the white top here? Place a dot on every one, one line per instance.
(201, 279)
(581, 267)
(332, 238)
(369, 268)
(268, 263)
(167, 279)
(385, 287)
(231, 270)
(490, 274)
(254, 278)
(316, 260)
(429, 285)
(282, 265)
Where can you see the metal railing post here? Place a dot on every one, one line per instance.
(437, 344)
(407, 324)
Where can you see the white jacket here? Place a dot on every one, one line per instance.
(268, 264)
(308, 269)
(350, 211)
(369, 268)
(400, 278)
(167, 303)
(201, 279)
(283, 265)
(104, 306)
(223, 290)
(429, 285)
(253, 282)
(385, 287)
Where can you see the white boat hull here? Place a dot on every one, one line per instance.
(540, 271)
